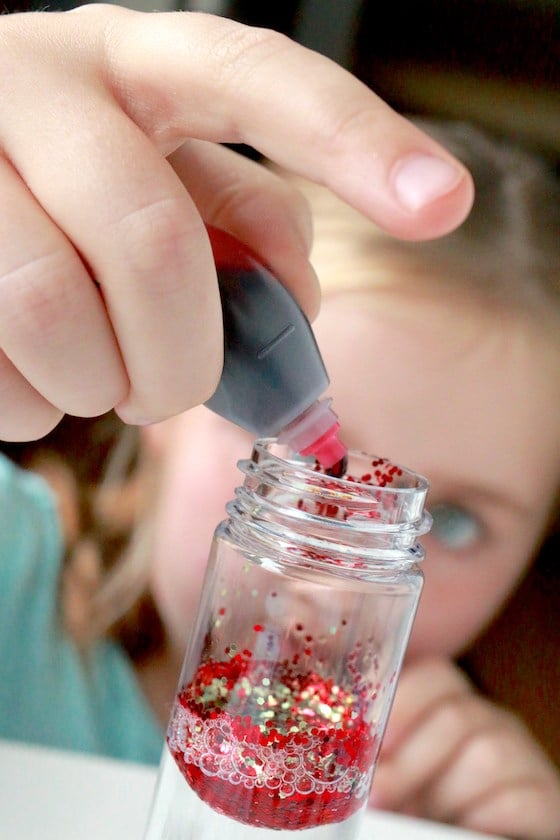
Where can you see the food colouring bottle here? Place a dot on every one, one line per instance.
(273, 374)
(307, 606)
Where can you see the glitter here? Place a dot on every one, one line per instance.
(290, 749)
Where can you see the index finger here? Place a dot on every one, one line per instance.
(188, 74)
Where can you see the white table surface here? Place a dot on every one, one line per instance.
(50, 795)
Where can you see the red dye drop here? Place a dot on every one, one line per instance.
(337, 470)
(273, 747)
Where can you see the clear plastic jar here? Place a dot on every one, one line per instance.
(306, 611)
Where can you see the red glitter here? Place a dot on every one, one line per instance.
(270, 746)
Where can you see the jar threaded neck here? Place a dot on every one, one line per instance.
(375, 512)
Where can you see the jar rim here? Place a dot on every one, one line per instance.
(264, 454)
(285, 499)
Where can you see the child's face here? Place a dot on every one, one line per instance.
(472, 402)
(474, 405)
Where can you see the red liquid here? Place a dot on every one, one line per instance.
(277, 750)
(338, 470)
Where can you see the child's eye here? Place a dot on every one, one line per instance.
(454, 526)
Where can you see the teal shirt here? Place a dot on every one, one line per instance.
(50, 693)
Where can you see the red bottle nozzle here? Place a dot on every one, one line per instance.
(314, 432)
(328, 449)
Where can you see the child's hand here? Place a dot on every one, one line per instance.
(108, 294)
(452, 756)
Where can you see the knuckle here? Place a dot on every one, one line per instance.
(341, 123)
(155, 242)
(237, 196)
(244, 198)
(241, 50)
(488, 751)
(241, 57)
(456, 715)
(32, 295)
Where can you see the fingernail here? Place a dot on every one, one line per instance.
(420, 179)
